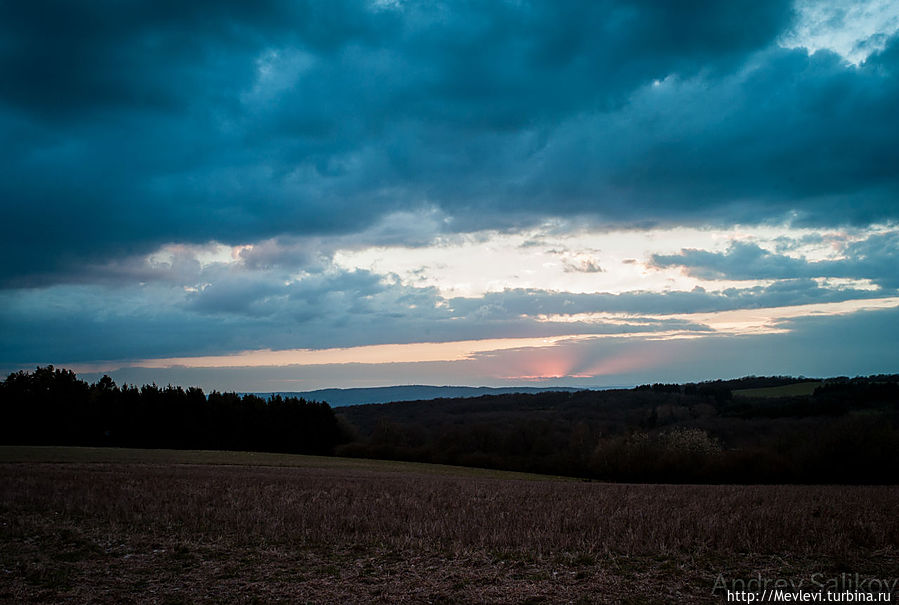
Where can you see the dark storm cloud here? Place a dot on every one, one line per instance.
(73, 61)
(875, 258)
(126, 126)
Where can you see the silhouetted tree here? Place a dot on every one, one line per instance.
(53, 406)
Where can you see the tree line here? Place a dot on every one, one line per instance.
(846, 431)
(52, 406)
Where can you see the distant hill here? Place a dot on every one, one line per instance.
(417, 392)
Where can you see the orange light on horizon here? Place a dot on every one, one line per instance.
(537, 362)
(415, 352)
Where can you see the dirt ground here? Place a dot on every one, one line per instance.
(204, 533)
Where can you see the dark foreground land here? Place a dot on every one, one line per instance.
(118, 526)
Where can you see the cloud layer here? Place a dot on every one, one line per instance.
(126, 128)
(204, 178)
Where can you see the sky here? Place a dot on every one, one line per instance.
(285, 196)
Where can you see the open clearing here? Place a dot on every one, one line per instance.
(797, 389)
(112, 526)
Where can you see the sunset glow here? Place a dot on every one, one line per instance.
(388, 192)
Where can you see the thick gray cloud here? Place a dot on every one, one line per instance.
(309, 127)
(128, 126)
(875, 258)
(530, 302)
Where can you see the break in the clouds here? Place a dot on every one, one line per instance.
(198, 180)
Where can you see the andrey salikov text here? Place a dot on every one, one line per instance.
(816, 582)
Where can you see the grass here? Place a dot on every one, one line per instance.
(168, 527)
(797, 389)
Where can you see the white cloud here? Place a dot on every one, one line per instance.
(471, 265)
(852, 29)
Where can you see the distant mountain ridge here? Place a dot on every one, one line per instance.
(416, 392)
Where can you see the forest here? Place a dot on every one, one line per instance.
(749, 430)
(846, 430)
(53, 406)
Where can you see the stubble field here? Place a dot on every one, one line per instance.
(80, 525)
